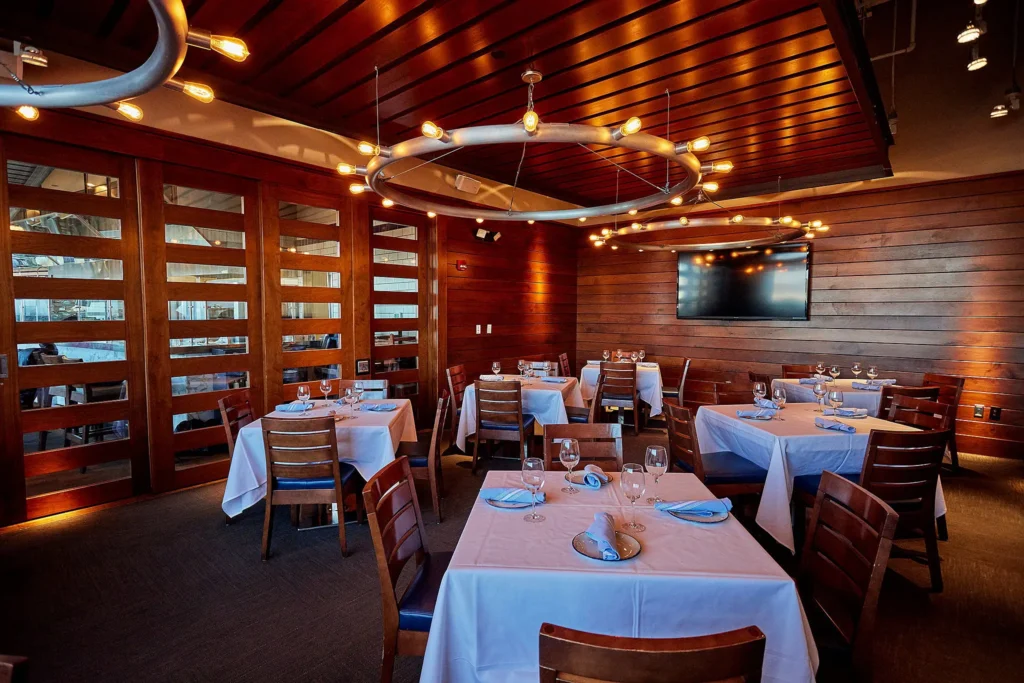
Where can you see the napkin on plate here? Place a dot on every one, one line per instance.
(293, 407)
(603, 532)
(833, 424)
(594, 477)
(847, 412)
(493, 378)
(756, 413)
(510, 495)
(555, 380)
(380, 407)
(699, 508)
(865, 386)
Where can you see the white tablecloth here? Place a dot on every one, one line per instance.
(648, 381)
(509, 576)
(789, 448)
(852, 398)
(546, 401)
(368, 442)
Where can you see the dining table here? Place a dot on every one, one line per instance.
(508, 576)
(648, 383)
(789, 447)
(868, 399)
(367, 440)
(543, 397)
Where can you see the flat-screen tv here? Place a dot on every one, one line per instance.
(759, 283)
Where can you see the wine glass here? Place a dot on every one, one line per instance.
(642, 354)
(357, 391)
(820, 391)
(496, 368)
(657, 465)
(835, 399)
(631, 482)
(522, 366)
(569, 456)
(302, 393)
(634, 356)
(760, 391)
(820, 368)
(834, 371)
(779, 399)
(872, 372)
(606, 354)
(856, 370)
(325, 388)
(533, 479)
(348, 399)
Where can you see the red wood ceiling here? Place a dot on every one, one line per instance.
(774, 83)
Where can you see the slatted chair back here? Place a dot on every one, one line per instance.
(950, 387)
(701, 391)
(443, 404)
(760, 377)
(600, 444)
(798, 371)
(619, 381)
(303, 448)
(682, 439)
(372, 388)
(902, 468)
(920, 413)
(235, 413)
(457, 383)
(595, 402)
(570, 655)
(891, 390)
(682, 378)
(563, 363)
(498, 402)
(396, 527)
(844, 558)
(729, 395)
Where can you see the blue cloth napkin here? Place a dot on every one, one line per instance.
(700, 508)
(881, 382)
(764, 403)
(510, 495)
(293, 407)
(865, 386)
(647, 364)
(594, 477)
(815, 379)
(847, 412)
(555, 380)
(834, 424)
(756, 413)
(493, 378)
(603, 531)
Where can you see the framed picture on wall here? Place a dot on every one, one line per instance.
(363, 366)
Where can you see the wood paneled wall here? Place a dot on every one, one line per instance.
(915, 279)
(524, 285)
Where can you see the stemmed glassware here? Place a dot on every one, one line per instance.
(760, 391)
(872, 372)
(820, 391)
(835, 399)
(522, 367)
(820, 367)
(350, 400)
(779, 399)
(302, 393)
(642, 354)
(856, 370)
(358, 390)
(325, 388)
(533, 479)
(633, 356)
(606, 354)
(631, 481)
(569, 456)
(657, 465)
(834, 371)
(496, 368)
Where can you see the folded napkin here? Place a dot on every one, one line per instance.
(293, 407)
(555, 380)
(815, 379)
(699, 508)
(380, 407)
(847, 412)
(647, 364)
(510, 495)
(594, 362)
(756, 413)
(594, 477)
(492, 378)
(865, 386)
(764, 403)
(881, 382)
(603, 532)
(834, 424)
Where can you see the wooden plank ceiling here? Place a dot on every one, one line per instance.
(774, 83)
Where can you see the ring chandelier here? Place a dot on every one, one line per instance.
(174, 37)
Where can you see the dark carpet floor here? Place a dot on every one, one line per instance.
(163, 590)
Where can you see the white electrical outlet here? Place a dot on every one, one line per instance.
(488, 328)
(478, 329)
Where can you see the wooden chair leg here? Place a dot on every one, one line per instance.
(434, 495)
(387, 660)
(636, 420)
(476, 452)
(934, 562)
(954, 456)
(341, 522)
(940, 523)
(268, 521)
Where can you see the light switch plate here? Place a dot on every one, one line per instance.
(488, 328)
(478, 329)
(979, 410)
(995, 413)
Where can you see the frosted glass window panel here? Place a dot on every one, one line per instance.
(207, 310)
(298, 310)
(66, 267)
(203, 237)
(207, 274)
(395, 258)
(395, 284)
(60, 179)
(203, 199)
(59, 223)
(57, 310)
(310, 214)
(395, 311)
(310, 278)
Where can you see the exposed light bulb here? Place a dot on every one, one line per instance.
(640, 250)
(368, 149)
(346, 169)
(606, 231)
(700, 144)
(631, 126)
(232, 48)
(198, 91)
(593, 237)
(530, 121)
(636, 226)
(582, 219)
(28, 112)
(999, 111)
(823, 228)
(431, 130)
(711, 186)
(738, 218)
(721, 166)
(980, 2)
(632, 212)
(786, 220)
(599, 243)
(969, 34)
(815, 224)
(614, 247)
(388, 203)
(809, 235)
(479, 220)
(357, 188)
(530, 222)
(431, 214)
(132, 112)
(677, 200)
(683, 220)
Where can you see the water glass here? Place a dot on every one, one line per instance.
(348, 399)
(631, 481)
(606, 354)
(779, 399)
(302, 393)
(820, 368)
(657, 465)
(835, 399)
(522, 366)
(533, 480)
(760, 391)
(872, 372)
(325, 388)
(569, 456)
(856, 370)
(834, 371)
(642, 354)
(358, 390)
(496, 368)
(820, 391)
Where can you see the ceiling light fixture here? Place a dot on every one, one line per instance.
(27, 112)
(710, 186)
(999, 111)
(677, 200)
(232, 48)
(434, 131)
(196, 91)
(358, 188)
(129, 110)
(969, 34)
(350, 169)
(700, 144)
(977, 61)
(387, 203)
(431, 214)
(632, 212)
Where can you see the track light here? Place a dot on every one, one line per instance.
(969, 34)
(710, 186)
(130, 111)
(431, 214)
(196, 91)
(432, 130)
(977, 61)
(676, 201)
(632, 212)
(999, 111)
(358, 188)
(387, 203)
(697, 145)
(683, 220)
(27, 112)
(479, 220)
(350, 169)
(232, 48)
(530, 121)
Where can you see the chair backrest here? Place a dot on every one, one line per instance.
(921, 413)
(798, 371)
(600, 444)
(396, 527)
(619, 380)
(844, 557)
(682, 439)
(902, 468)
(760, 377)
(457, 383)
(301, 448)
(235, 413)
(701, 391)
(570, 655)
(950, 387)
(595, 400)
(728, 395)
(13, 669)
(682, 378)
(500, 402)
(890, 390)
(372, 388)
(563, 362)
(434, 454)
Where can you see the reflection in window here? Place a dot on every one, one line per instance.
(395, 338)
(310, 278)
(71, 352)
(386, 229)
(313, 373)
(204, 237)
(100, 473)
(65, 395)
(197, 384)
(207, 310)
(69, 267)
(310, 214)
(202, 199)
(395, 311)
(297, 310)
(305, 342)
(37, 442)
(395, 258)
(307, 245)
(56, 310)
(60, 223)
(395, 284)
(60, 179)
(192, 347)
(197, 420)
(207, 274)
(405, 390)
(395, 364)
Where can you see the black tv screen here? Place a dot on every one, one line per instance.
(760, 283)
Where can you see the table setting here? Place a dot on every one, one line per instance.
(648, 379)
(866, 393)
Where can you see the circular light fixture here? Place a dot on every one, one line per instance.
(632, 212)
(976, 64)
(387, 203)
(479, 220)
(999, 111)
(969, 34)
(431, 214)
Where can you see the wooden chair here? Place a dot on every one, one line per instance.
(303, 467)
(798, 371)
(13, 669)
(950, 390)
(891, 390)
(579, 415)
(724, 473)
(457, 383)
(727, 395)
(842, 566)
(570, 655)
(921, 413)
(372, 388)
(760, 377)
(499, 416)
(425, 454)
(396, 527)
(902, 468)
(600, 444)
(677, 393)
(564, 366)
(235, 413)
(620, 390)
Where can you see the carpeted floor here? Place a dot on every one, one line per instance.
(163, 590)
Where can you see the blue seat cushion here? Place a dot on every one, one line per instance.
(578, 419)
(725, 467)
(416, 608)
(288, 484)
(418, 461)
(617, 397)
(809, 483)
(509, 427)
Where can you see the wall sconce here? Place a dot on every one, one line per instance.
(461, 265)
(487, 235)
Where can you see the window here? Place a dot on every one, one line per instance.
(395, 311)
(207, 310)
(56, 310)
(60, 179)
(307, 245)
(309, 214)
(200, 272)
(386, 229)
(193, 347)
(204, 237)
(395, 364)
(395, 338)
(77, 351)
(60, 397)
(66, 267)
(310, 278)
(395, 258)
(197, 384)
(295, 310)
(202, 199)
(313, 373)
(59, 223)
(395, 284)
(304, 342)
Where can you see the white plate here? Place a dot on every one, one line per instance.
(759, 418)
(627, 546)
(700, 519)
(507, 504)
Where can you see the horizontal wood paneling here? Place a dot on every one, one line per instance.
(917, 279)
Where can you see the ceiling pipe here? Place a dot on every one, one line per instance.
(913, 30)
